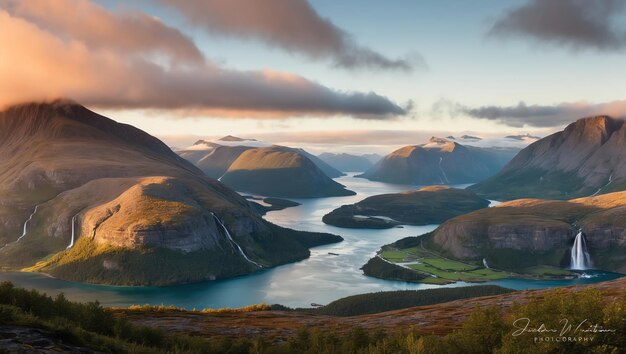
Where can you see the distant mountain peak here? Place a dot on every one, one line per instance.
(234, 138)
(203, 145)
(583, 159)
(470, 137)
(434, 139)
(439, 143)
(595, 123)
(439, 161)
(522, 137)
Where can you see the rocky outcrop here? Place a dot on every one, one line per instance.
(156, 212)
(585, 158)
(530, 232)
(24, 339)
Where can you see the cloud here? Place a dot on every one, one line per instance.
(292, 25)
(577, 24)
(98, 28)
(543, 116)
(43, 58)
(359, 142)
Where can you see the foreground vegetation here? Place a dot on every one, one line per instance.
(598, 326)
(491, 330)
(383, 301)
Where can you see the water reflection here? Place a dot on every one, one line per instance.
(332, 271)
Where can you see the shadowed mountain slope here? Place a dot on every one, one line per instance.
(440, 161)
(108, 202)
(281, 172)
(586, 158)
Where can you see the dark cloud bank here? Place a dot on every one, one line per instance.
(577, 24)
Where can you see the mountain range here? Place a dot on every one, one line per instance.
(439, 161)
(347, 162)
(98, 201)
(586, 158)
(250, 166)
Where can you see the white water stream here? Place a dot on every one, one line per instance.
(233, 241)
(73, 232)
(580, 259)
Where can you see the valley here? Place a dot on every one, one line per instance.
(134, 242)
(312, 177)
(321, 278)
(133, 211)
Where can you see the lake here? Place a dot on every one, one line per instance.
(321, 278)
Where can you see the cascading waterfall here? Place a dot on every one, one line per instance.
(232, 241)
(580, 257)
(443, 172)
(25, 229)
(73, 232)
(606, 185)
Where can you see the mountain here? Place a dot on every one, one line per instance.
(527, 233)
(99, 201)
(214, 159)
(373, 158)
(346, 162)
(440, 161)
(522, 137)
(322, 165)
(465, 137)
(281, 172)
(234, 138)
(585, 158)
(429, 205)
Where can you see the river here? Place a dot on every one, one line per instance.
(321, 278)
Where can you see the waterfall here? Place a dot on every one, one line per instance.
(580, 256)
(485, 263)
(25, 229)
(233, 241)
(606, 185)
(73, 231)
(443, 172)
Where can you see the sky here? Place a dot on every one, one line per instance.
(351, 75)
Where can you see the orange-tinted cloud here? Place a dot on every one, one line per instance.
(292, 25)
(44, 58)
(99, 28)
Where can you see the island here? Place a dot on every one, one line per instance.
(429, 205)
